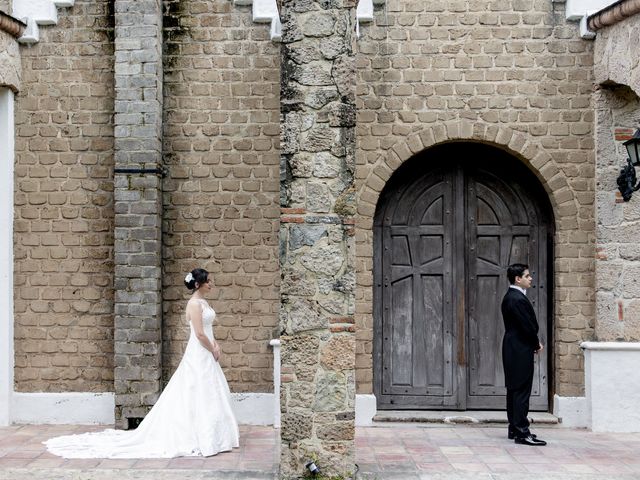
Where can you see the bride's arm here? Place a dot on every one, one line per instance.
(194, 311)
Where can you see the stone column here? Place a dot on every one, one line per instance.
(317, 256)
(138, 207)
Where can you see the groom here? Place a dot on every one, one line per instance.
(519, 345)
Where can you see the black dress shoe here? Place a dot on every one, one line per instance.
(512, 435)
(530, 440)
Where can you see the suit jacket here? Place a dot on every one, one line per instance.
(520, 338)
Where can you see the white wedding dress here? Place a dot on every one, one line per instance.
(192, 417)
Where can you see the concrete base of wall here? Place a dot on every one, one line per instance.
(258, 408)
(98, 408)
(63, 408)
(612, 386)
(365, 410)
(571, 411)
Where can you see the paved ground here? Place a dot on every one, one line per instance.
(398, 452)
(22, 456)
(416, 452)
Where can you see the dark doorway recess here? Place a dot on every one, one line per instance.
(447, 224)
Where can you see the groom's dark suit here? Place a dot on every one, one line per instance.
(518, 346)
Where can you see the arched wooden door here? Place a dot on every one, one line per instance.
(447, 225)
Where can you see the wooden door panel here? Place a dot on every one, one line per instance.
(401, 332)
(501, 231)
(417, 344)
(444, 238)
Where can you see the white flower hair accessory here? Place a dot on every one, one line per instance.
(188, 278)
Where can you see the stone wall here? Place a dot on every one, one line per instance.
(64, 207)
(512, 73)
(616, 54)
(618, 222)
(317, 248)
(10, 64)
(5, 6)
(221, 204)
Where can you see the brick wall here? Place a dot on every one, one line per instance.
(221, 195)
(508, 72)
(63, 206)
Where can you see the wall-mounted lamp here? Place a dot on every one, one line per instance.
(312, 467)
(627, 183)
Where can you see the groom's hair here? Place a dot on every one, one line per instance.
(516, 270)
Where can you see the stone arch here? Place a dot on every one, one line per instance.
(573, 249)
(517, 143)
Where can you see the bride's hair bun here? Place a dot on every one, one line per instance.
(197, 275)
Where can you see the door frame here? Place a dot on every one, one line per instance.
(546, 214)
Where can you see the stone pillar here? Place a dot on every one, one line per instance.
(317, 254)
(138, 207)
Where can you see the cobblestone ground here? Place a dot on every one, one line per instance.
(397, 452)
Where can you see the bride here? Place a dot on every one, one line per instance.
(193, 415)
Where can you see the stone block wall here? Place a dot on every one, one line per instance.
(10, 62)
(138, 208)
(317, 248)
(221, 194)
(64, 205)
(617, 103)
(511, 73)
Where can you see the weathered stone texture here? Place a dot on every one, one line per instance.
(617, 102)
(510, 73)
(618, 223)
(616, 54)
(64, 206)
(221, 210)
(138, 208)
(10, 64)
(317, 250)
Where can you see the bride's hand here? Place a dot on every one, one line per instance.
(216, 352)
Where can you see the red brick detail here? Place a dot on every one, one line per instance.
(623, 134)
(286, 378)
(619, 198)
(600, 254)
(342, 328)
(292, 211)
(620, 311)
(350, 320)
(292, 219)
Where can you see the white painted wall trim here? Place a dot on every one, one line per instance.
(266, 11)
(612, 346)
(86, 408)
(612, 385)
(275, 343)
(6, 253)
(63, 408)
(366, 409)
(37, 12)
(572, 411)
(579, 10)
(254, 408)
